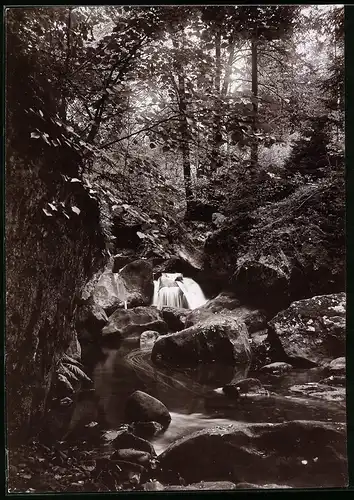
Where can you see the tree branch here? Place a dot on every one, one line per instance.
(145, 129)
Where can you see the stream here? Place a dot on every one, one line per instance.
(192, 397)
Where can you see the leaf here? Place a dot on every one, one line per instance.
(53, 207)
(76, 210)
(71, 360)
(78, 372)
(48, 214)
(66, 215)
(35, 135)
(64, 370)
(74, 179)
(66, 382)
(141, 235)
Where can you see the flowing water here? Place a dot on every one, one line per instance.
(192, 396)
(174, 290)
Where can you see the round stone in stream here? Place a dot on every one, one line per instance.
(141, 407)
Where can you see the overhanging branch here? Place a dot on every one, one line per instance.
(145, 129)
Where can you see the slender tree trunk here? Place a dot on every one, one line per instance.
(184, 135)
(215, 162)
(183, 127)
(228, 71)
(254, 145)
(97, 119)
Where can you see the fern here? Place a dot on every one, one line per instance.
(64, 370)
(77, 372)
(69, 360)
(69, 371)
(62, 378)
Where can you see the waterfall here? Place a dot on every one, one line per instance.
(173, 290)
(193, 293)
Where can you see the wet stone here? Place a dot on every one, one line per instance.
(146, 430)
(128, 440)
(277, 368)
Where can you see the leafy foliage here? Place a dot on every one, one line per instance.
(69, 373)
(311, 154)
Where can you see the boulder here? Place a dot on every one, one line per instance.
(148, 339)
(105, 293)
(277, 368)
(337, 366)
(227, 304)
(220, 339)
(133, 322)
(89, 321)
(248, 387)
(313, 329)
(141, 407)
(175, 317)
(128, 440)
(296, 453)
(260, 282)
(137, 281)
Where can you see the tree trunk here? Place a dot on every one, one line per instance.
(97, 120)
(254, 145)
(228, 71)
(184, 136)
(183, 127)
(215, 162)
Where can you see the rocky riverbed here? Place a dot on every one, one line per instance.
(220, 397)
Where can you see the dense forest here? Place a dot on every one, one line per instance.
(202, 145)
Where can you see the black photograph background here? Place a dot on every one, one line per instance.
(175, 248)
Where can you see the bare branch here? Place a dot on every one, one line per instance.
(145, 129)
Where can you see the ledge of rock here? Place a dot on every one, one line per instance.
(296, 453)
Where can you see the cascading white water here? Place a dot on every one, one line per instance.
(193, 293)
(173, 290)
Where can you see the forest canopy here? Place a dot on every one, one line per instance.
(198, 96)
